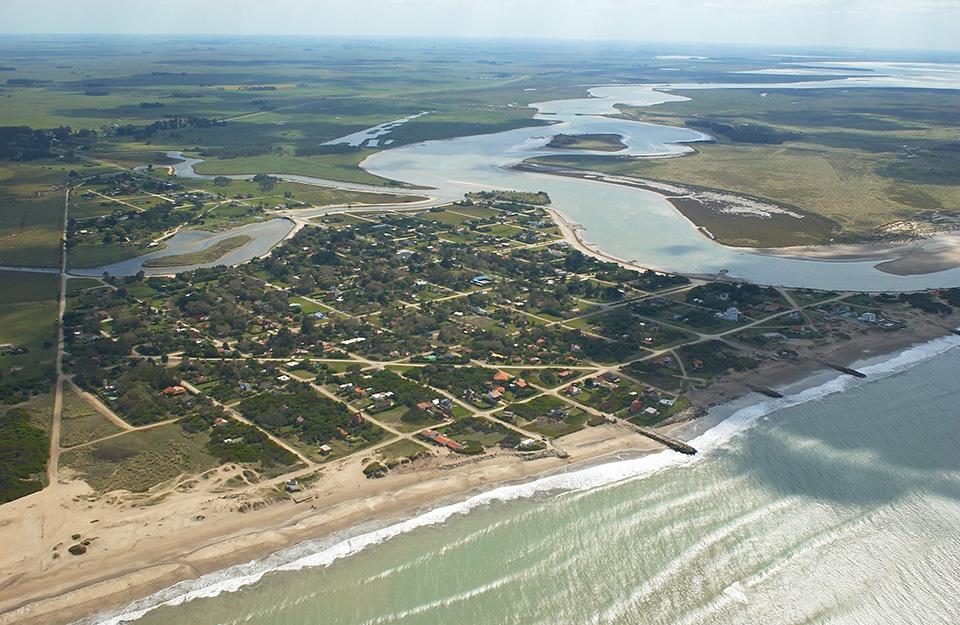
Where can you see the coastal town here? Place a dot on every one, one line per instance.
(475, 329)
(269, 303)
(378, 348)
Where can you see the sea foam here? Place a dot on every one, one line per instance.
(319, 553)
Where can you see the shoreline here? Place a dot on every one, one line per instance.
(337, 507)
(331, 518)
(180, 535)
(937, 252)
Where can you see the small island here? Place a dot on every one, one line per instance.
(595, 142)
(208, 255)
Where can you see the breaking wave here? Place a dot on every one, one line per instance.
(320, 553)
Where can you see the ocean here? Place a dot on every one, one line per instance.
(837, 504)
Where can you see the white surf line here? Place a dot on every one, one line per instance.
(235, 578)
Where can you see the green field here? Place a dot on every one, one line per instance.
(140, 460)
(27, 325)
(80, 422)
(847, 161)
(598, 143)
(210, 254)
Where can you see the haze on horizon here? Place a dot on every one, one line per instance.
(889, 24)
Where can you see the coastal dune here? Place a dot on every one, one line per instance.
(179, 536)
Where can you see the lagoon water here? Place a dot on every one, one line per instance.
(823, 507)
(839, 504)
(263, 236)
(628, 223)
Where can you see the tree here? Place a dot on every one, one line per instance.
(221, 181)
(265, 182)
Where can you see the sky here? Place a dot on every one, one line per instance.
(911, 24)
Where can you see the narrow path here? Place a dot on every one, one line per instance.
(239, 417)
(99, 406)
(53, 461)
(387, 428)
(130, 429)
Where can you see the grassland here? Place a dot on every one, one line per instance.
(863, 157)
(345, 167)
(32, 215)
(27, 325)
(208, 255)
(85, 256)
(80, 422)
(139, 460)
(597, 143)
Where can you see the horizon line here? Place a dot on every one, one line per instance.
(537, 39)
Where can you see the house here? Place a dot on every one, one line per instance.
(219, 421)
(636, 406)
(173, 391)
(500, 376)
(326, 450)
(438, 438)
(663, 361)
(651, 411)
(482, 280)
(889, 325)
(868, 317)
(731, 314)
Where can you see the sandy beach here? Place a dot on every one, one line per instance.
(937, 252)
(142, 543)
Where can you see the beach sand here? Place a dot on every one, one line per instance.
(143, 543)
(937, 252)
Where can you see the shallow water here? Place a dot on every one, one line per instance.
(823, 507)
(630, 224)
(634, 224)
(263, 236)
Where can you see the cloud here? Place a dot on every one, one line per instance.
(851, 23)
